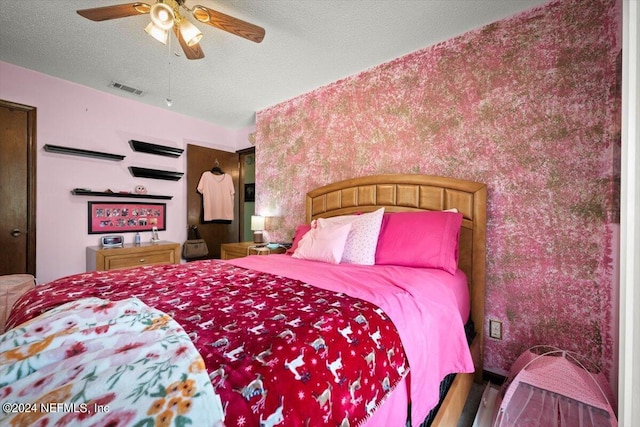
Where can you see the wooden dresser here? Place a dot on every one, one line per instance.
(132, 255)
(242, 249)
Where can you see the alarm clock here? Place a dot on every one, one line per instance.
(112, 241)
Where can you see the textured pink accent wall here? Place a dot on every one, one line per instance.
(528, 105)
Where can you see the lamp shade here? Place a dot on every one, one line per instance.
(190, 33)
(162, 15)
(157, 33)
(257, 223)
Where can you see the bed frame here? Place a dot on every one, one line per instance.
(398, 193)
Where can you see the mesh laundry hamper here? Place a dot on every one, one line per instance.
(550, 387)
(11, 288)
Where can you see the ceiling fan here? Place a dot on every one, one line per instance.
(165, 15)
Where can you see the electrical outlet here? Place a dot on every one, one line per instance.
(495, 329)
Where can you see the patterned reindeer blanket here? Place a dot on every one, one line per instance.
(279, 352)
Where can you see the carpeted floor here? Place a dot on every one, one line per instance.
(471, 407)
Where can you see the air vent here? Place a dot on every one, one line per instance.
(126, 88)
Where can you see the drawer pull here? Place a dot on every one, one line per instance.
(141, 259)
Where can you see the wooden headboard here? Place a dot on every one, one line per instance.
(414, 193)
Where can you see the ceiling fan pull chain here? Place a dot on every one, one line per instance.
(168, 100)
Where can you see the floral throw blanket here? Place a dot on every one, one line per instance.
(98, 362)
(279, 352)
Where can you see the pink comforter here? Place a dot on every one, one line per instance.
(424, 304)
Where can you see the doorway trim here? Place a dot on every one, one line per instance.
(242, 154)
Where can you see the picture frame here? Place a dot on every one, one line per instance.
(128, 217)
(250, 192)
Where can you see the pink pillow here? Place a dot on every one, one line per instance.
(301, 230)
(323, 244)
(420, 239)
(363, 239)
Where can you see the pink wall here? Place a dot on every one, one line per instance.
(530, 106)
(76, 116)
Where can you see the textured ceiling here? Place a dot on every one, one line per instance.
(308, 44)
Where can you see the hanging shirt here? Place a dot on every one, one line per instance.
(217, 196)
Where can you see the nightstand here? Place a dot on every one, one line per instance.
(242, 249)
(131, 255)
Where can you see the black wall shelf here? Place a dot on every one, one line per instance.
(155, 173)
(78, 192)
(80, 152)
(162, 150)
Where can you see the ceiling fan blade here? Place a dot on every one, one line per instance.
(228, 23)
(114, 12)
(191, 52)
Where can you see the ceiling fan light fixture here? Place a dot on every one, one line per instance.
(157, 33)
(162, 16)
(166, 15)
(190, 33)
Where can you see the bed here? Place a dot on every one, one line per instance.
(277, 340)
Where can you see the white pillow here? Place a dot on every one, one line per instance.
(362, 240)
(323, 244)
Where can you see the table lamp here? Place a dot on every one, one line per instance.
(257, 226)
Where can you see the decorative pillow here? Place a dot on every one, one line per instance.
(420, 239)
(363, 238)
(323, 244)
(301, 230)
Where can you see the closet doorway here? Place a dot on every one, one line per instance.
(247, 158)
(202, 159)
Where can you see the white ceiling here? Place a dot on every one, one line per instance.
(308, 44)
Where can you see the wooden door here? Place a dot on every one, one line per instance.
(199, 160)
(17, 189)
